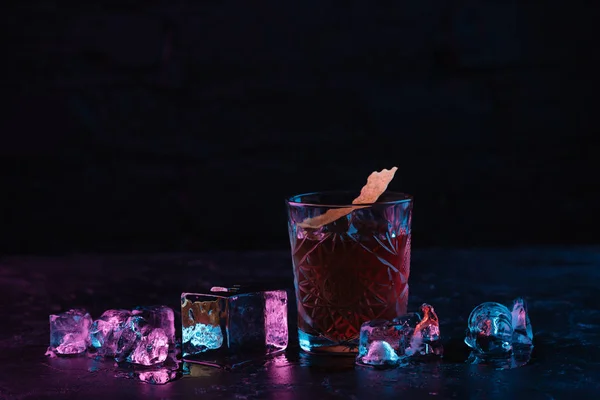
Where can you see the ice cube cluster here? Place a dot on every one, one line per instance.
(500, 336)
(386, 344)
(144, 337)
(228, 326)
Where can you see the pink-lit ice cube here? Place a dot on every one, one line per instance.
(106, 331)
(69, 332)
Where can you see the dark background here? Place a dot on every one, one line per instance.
(182, 125)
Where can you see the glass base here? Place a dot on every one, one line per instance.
(320, 345)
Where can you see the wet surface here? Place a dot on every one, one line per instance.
(560, 285)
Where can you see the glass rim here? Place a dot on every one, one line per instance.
(402, 198)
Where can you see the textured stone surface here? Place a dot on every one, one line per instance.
(560, 285)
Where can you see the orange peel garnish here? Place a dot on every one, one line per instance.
(377, 183)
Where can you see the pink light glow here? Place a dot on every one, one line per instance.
(276, 326)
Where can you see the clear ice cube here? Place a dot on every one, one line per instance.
(146, 337)
(522, 331)
(381, 341)
(135, 328)
(161, 317)
(380, 353)
(426, 339)
(230, 325)
(69, 332)
(490, 329)
(150, 349)
(388, 343)
(106, 331)
(500, 337)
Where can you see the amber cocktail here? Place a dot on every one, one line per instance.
(349, 270)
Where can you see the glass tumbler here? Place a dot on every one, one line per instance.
(350, 270)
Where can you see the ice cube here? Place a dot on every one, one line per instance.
(230, 325)
(275, 312)
(426, 338)
(490, 330)
(499, 337)
(69, 332)
(522, 332)
(406, 324)
(380, 338)
(146, 336)
(133, 331)
(201, 337)
(410, 335)
(380, 353)
(151, 348)
(106, 331)
(159, 317)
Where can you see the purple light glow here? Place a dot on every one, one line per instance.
(276, 327)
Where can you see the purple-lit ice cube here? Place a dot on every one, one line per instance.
(106, 331)
(387, 343)
(380, 353)
(228, 326)
(69, 332)
(522, 331)
(150, 349)
(159, 317)
(146, 337)
(135, 328)
(275, 313)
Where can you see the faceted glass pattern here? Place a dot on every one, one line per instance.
(351, 270)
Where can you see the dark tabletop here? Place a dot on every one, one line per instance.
(560, 284)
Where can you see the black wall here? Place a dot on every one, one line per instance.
(182, 125)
